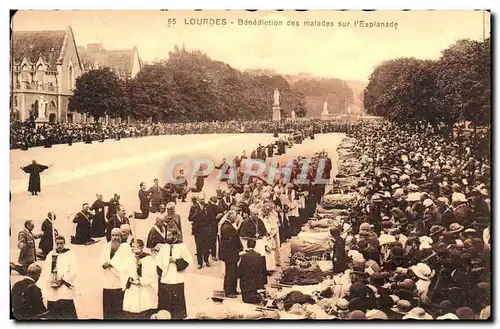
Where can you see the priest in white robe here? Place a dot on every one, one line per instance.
(140, 282)
(58, 282)
(114, 257)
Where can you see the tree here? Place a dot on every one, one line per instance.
(318, 90)
(99, 93)
(403, 90)
(463, 76)
(301, 109)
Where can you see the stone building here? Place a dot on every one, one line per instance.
(125, 63)
(44, 67)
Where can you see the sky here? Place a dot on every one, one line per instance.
(345, 52)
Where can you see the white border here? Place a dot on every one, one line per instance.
(185, 4)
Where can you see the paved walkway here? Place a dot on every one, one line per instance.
(81, 171)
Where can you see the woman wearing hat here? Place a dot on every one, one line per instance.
(424, 274)
(401, 309)
(462, 213)
(453, 234)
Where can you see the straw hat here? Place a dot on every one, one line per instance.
(418, 313)
(423, 271)
(161, 315)
(376, 315)
(342, 305)
(458, 198)
(402, 307)
(444, 200)
(455, 228)
(448, 316)
(395, 299)
(412, 197)
(428, 203)
(436, 230)
(425, 239)
(386, 239)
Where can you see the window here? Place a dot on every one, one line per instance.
(70, 76)
(40, 74)
(26, 74)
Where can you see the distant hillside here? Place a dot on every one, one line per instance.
(339, 94)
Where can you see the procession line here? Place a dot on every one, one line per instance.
(20, 185)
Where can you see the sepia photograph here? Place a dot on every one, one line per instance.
(250, 164)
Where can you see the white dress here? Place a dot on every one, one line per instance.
(272, 242)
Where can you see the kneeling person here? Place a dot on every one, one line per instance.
(252, 273)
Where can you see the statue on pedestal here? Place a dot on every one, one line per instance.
(276, 98)
(293, 115)
(325, 109)
(41, 118)
(276, 106)
(42, 105)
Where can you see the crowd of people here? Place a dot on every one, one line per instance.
(123, 254)
(24, 135)
(410, 238)
(402, 234)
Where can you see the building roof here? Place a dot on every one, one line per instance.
(35, 44)
(119, 61)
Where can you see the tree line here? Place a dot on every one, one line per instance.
(189, 87)
(454, 88)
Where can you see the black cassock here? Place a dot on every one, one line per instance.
(99, 223)
(83, 233)
(155, 237)
(27, 302)
(115, 222)
(34, 170)
(112, 207)
(46, 241)
(252, 227)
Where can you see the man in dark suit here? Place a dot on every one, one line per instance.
(156, 192)
(117, 220)
(200, 229)
(144, 202)
(229, 249)
(252, 273)
(27, 302)
(113, 206)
